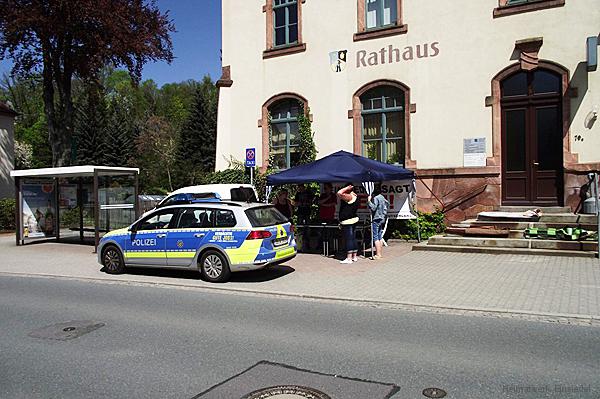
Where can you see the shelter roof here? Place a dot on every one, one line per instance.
(6, 110)
(75, 171)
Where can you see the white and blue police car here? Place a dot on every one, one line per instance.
(212, 236)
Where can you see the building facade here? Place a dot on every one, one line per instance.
(491, 102)
(7, 150)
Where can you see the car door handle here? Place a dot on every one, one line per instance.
(161, 235)
(199, 235)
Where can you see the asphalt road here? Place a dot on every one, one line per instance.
(176, 343)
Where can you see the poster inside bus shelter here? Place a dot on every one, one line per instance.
(401, 195)
(39, 204)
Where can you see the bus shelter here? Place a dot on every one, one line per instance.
(74, 204)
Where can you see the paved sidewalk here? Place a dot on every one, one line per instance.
(555, 289)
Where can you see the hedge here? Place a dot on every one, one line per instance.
(7, 214)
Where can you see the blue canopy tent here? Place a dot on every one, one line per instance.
(341, 166)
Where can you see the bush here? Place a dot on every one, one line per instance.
(7, 214)
(430, 223)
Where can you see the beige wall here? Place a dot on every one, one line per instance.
(449, 90)
(7, 155)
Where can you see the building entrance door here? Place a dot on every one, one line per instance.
(532, 157)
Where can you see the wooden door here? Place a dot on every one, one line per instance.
(532, 171)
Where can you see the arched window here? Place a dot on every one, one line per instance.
(284, 133)
(383, 124)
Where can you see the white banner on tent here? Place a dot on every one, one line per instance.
(401, 195)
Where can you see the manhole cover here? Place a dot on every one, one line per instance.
(434, 393)
(287, 392)
(268, 380)
(66, 331)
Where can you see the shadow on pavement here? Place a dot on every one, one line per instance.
(256, 276)
(263, 275)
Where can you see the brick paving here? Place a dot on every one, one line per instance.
(549, 288)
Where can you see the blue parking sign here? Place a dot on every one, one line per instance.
(250, 157)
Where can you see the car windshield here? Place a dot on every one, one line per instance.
(265, 216)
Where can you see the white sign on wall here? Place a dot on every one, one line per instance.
(474, 154)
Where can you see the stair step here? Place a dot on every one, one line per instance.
(512, 234)
(560, 218)
(533, 243)
(525, 225)
(568, 218)
(544, 209)
(503, 251)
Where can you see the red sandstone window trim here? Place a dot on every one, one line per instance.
(273, 51)
(363, 33)
(356, 116)
(504, 9)
(263, 122)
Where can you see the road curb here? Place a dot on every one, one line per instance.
(559, 318)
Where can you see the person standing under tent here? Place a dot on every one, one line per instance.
(348, 220)
(378, 206)
(327, 204)
(303, 202)
(283, 204)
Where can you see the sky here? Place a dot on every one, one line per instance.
(196, 44)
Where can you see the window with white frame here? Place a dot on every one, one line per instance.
(381, 13)
(285, 22)
(284, 133)
(383, 124)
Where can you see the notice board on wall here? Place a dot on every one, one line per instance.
(474, 154)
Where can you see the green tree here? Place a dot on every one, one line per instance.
(156, 154)
(91, 126)
(121, 133)
(25, 94)
(197, 148)
(65, 39)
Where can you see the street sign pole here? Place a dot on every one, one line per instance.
(251, 162)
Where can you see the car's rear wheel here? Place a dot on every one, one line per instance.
(112, 260)
(214, 267)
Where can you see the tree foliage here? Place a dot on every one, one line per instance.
(197, 147)
(63, 39)
(156, 156)
(91, 125)
(307, 147)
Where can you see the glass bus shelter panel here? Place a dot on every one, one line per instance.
(116, 197)
(38, 208)
(76, 207)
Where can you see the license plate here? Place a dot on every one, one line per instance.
(280, 241)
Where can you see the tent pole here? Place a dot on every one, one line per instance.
(372, 239)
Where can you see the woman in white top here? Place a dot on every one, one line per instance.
(348, 219)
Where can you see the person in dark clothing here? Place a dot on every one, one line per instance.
(303, 202)
(283, 204)
(348, 219)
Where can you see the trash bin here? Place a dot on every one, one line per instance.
(589, 206)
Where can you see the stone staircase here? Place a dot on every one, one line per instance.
(515, 243)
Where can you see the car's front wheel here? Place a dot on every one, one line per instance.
(112, 260)
(214, 267)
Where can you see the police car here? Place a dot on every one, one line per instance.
(212, 236)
